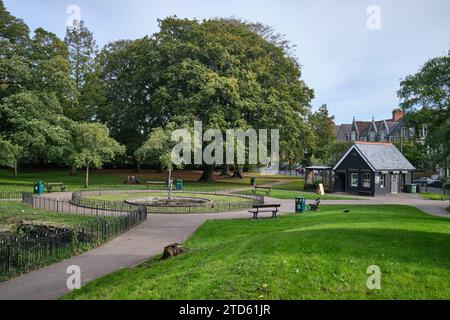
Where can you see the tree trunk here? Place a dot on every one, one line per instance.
(15, 169)
(170, 184)
(86, 182)
(137, 168)
(73, 170)
(225, 170)
(238, 173)
(207, 176)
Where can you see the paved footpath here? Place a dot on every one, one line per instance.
(149, 239)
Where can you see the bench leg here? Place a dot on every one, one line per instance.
(274, 214)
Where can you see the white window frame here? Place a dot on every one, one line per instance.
(382, 181)
(365, 185)
(352, 176)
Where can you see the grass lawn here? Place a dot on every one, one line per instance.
(293, 185)
(129, 196)
(12, 212)
(113, 179)
(324, 255)
(434, 196)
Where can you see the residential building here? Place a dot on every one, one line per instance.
(391, 130)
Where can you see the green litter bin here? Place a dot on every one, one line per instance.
(253, 181)
(411, 188)
(39, 187)
(180, 185)
(300, 205)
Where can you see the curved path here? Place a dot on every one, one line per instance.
(148, 239)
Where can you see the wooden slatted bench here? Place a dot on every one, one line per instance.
(267, 189)
(257, 209)
(53, 185)
(155, 183)
(365, 193)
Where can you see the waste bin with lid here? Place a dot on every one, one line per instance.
(39, 187)
(411, 188)
(180, 184)
(300, 205)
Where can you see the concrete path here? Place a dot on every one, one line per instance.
(149, 239)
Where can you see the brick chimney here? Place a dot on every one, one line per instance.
(397, 115)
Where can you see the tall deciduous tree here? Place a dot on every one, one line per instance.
(322, 125)
(34, 122)
(426, 98)
(36, 90)
(92, 147)
(225, 73)
(14, 45)
(158, 149)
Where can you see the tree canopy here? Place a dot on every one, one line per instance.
(37, 94)
(226, 73)
(223, 72)
(426, 98)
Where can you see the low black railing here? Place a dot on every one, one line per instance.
(11, 195)
(21, 254)
(248, 201)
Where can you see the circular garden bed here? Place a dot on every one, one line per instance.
(158, 202)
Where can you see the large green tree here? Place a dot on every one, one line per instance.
(36, 90)
(322, 125)
(426, 98)
(14, 44)
(223, 72)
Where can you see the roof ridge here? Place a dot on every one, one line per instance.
(375, 143)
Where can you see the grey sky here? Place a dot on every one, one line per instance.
(353, 69)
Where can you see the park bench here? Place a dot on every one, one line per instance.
(257, 209)
(267, 190)
(365, 193)
(315, 205)
(55, 185)
(155, 183)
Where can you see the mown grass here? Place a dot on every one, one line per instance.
(434, 196)
(131, 196)
(313, 256)
(297, 184)
(114, 179)
(12, 212)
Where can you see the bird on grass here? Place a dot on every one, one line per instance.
(346, 211)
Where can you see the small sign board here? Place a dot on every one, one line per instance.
(377, 180)
(320, 190)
